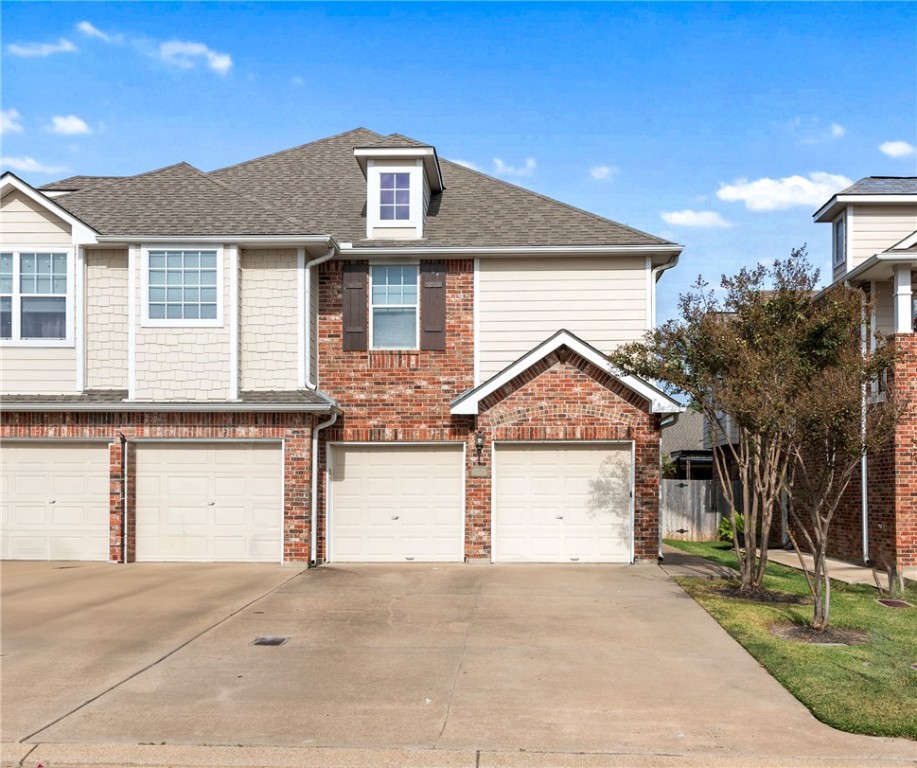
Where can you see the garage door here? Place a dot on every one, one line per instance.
(562, 502)
(209, 502)
(397, 503)
(54, 501)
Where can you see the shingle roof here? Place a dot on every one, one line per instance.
(397, 141)
(76, 183)
(320, 184)
(177, 200)
(883, 185)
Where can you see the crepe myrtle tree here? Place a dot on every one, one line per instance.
(846, 410)
(742, 354)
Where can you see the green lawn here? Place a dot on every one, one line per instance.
(869, 688)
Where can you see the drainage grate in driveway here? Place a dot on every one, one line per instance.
(270, 640)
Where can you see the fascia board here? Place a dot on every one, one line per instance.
(829, 211)
(288, 240)
(426, 154)
(504, 251)
(81, 233)
(137, 406)
(467, 405)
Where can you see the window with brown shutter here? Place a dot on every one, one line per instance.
(356, 335)
(433, 305)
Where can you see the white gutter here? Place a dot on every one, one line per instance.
(657, 271)
(310, 384)
(161, 407)
(539, 250)
(291, 240)
(313, 508)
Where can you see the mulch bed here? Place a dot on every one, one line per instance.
(831, 635)
(762, 596)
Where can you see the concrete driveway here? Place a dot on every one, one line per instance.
(465, 660)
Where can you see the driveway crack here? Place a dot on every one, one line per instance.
(461, 663)
(161, 659)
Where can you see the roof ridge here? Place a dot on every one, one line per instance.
(244, 196)
(590, 214)
(121, 179)
(292, 149)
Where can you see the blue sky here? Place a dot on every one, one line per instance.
(721, 126)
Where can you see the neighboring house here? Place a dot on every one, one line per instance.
(352, 350)
(874, 247)
(687, 445)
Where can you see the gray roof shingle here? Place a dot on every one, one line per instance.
(320, 184)
(76, 183)
(883, 185)
(177, 200)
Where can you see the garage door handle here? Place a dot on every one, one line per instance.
(53, 501)
(559, 517)
(210, 503)
(395, 517)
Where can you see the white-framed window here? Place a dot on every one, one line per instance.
(393, 315)
(182, 286)
(840, 241)
(394, 196)
(36, 297)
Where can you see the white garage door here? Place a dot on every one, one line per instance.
(54, 501)
(209, 502)
(562, 502)
(397, 503)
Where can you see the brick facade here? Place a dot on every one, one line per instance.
(294, 430)
(405, 396)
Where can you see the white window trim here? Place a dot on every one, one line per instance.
(839, 257)
(416, 346)
(69, 340)
(373, 199)
(146, 321)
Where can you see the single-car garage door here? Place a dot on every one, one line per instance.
(397, 503)
(209, 502)
(562, 502)
(54, 501)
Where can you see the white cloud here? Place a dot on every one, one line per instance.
(689, 218)
(41, 49)
(9, 121)
(184, 54)
(92, 31)
(837, 130)
(602, 172)
(70, 125)
(507, 170)
(896, 149)
(29, 165)
(467, 164)
(779, 194)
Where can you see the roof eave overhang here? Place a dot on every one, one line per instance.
(830, 210)
(130, 406)
(468, 403)
(878, 267)
(426, 154)
(81, 233)
(663, 250)
(305, 240)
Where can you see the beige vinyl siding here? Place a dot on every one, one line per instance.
(106, 318)
(268, 320)
(523, 302)
(182, 363)
(885, 307)
(395, 233)
(37, 371)
(877, 229)
(27, 224)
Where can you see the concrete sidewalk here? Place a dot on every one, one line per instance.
(841, 570)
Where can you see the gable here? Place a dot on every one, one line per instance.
(27, 223)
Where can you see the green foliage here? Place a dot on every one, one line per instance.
(725, 531)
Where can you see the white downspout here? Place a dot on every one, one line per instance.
(864, 462)
(313, 526)
(310, 384)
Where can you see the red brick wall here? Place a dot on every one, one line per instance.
(293, 429)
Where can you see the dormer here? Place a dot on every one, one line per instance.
(401, 176)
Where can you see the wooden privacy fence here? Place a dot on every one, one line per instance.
(691, 510)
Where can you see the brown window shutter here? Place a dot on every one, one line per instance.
(356, 332)
(432, 305)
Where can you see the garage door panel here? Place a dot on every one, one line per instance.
(209, 502)
(558, 502)
(395, 503)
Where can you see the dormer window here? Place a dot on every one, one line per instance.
(395, 196)
(401, 177)
(840, 241)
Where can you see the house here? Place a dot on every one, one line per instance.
(349, 351)
(686, 444)
(874, 247)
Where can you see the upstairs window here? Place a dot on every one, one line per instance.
(394, 307)
(394, 196)
(35, 293)
(840, 241)
(182, 287)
